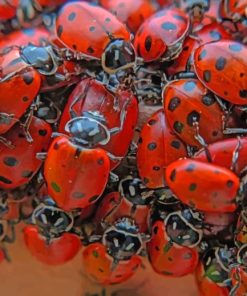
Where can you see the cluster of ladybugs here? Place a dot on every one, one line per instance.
(72, 166)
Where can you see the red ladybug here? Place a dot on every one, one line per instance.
(166, 257)
(18, 162)
(129, 12)
(161, 36)
(116, 115)
(189, 106)
(213, 63)
(158, 146)
(204, 186)
(95, 34)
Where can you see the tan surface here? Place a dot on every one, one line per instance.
(27, 277)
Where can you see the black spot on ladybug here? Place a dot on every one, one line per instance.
(165, 272)
(152, 146)
(193, 117)
(90, 50)
(178, 127)
(173, 175)
(174, 103)
(152, 122)
(25, 99)
(59, 30)
(202, 55)
(140, 141)
(42, 132)
(215, 35)
(148, 43)
(156, 168)
(78, 195)
(5, 180)
(179, 17)
(21, 136)
(220, 63)
(74, 46)
(100, 161)
(229, 183)
(186, 48)
(168, 26)
(71, 16)
(56, 146)
(55, 187)
(241, 75)
(192, 187)
(243, 93)
(236, 47)
(107, 20)
(208, 100)
(226, 93)
(27, 174)
(155, 230)
(27, 78)
(215, 133)
(176, 144)
(101, 270)
(207, 75)
(10, 161)
(93, 198)
(157, 248)
(189, 85)
(190, 168)
(92, 28)
(170, 259)
(145, 180)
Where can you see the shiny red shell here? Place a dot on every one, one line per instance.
(167, 258)
(158, 146)
(59, 251)
(8, 9)
(19, 165)
(95, 97)
(203, 186)
(100, 267)
(187, 101)
(213, 64)
(70, 172)
(161, 32)
(88, 28)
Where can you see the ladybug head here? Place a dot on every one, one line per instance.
(118, 55)
(42, 58)
(197, 8)
(123, 239)
(89, 129)
(135, 191)
(51, 221)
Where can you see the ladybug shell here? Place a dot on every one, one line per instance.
(75, 177)
(222, 153)
(20, 164)
(186, 101)
(160, 32)
(167, 258)
(206, 286)
(203, 186)
(95, 97)
(131, 13)
(18, 92)
(35, 36)
(50, 3)
(7, 10)
(88, 28)
(213, 63)
(59, 251)
(208, 33)
(239, 272)
(100, 267)
(158, 146)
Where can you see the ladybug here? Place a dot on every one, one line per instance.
(232, 157)
(22, 67)
(132, 200)
(212, 272)
(158, 146)
(18, 162)
(161, 36)
(102, 37)
(189, 106)
(166, 257)
(117, 253)
(49, 239)
(132, 14)
(203, 186)
(213, 64)
(114, 115)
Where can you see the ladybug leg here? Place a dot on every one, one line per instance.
(200, 139)
(116, 130)
(41, 155)
(12, 237)
(235, 155)
(113, 177)
(5, 252)
(6, 142)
